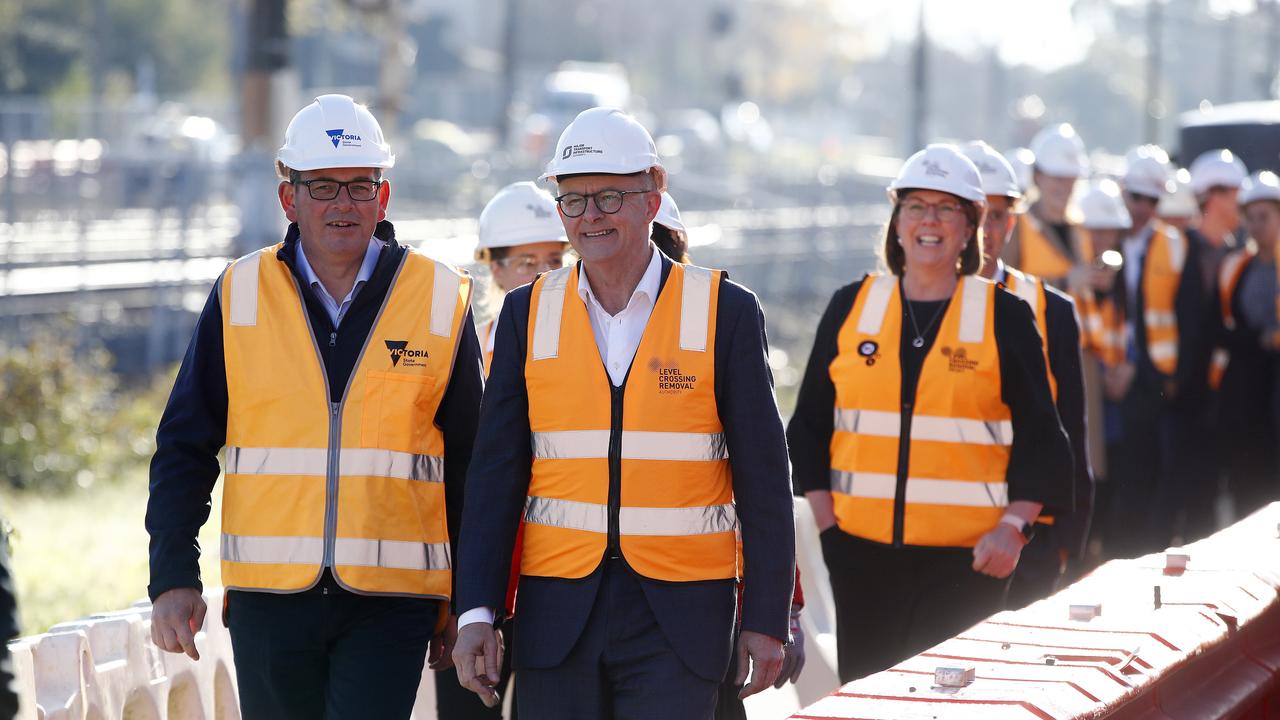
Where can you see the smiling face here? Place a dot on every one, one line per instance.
(934, 228)
(600, 237)
(1055, 194)
(1262, 220)
(518, 265)
(337, 229)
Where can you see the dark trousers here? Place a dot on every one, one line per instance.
(621, 667)
(328, 653)
(728, 706)
(892, 603)
(454, 702)
(1039, 570)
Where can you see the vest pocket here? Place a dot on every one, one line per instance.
(397, 412)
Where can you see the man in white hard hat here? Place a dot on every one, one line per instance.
(1058, 540)
(1046, 243)
(1178, 207)
(1160, 388)
(1216, 177)
(340, 370)
(642, 394)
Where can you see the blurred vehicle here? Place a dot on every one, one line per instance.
(570, 89)
(439, 162)
(171, 157)
(1251, 130)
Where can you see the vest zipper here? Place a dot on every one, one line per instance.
(616, 394)
(904, 462)
(331, 481)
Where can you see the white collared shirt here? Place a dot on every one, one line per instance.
(617, 339)
(618, 336)
(337, 310)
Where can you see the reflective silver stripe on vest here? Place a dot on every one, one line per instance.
(1177, 245)
(1024, 288)
(873, 310)
(546, 331)
(636, 445)
(368, 462)
(1163, 350)
(926, 427)
(973, 310)
(695, 308)
(1161, 319)
(281, 550)
(244, 290)
(925, 491)
(633, 521)
(391, 554)
(444, 299)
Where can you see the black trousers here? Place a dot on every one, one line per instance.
(454, 702)
(893, 603)
(328, 653)
(621, 668)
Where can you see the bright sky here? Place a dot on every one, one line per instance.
(1041, 33)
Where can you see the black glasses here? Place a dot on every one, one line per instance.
(358, 190)
(608, 201)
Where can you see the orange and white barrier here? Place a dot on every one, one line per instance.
(1190, 634)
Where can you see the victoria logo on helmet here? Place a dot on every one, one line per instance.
(338, 137)
(933, 168)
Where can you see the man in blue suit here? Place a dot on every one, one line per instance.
(642, 383)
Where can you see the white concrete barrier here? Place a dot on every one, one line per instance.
(105, 667)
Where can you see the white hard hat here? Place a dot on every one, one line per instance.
(334, 132)
(1060, 152)
(603, 140)
(1180, 202)
(943, 168)
(1022, 160)
(669, 214)
(520, 213)
(1102, 208)
(1260, 186)
(1147, 171)
(1216, 168)
(998, 177)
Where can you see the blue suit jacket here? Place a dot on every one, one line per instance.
(696, 617)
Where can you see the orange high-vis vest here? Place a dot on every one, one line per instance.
(1040, 256)
(960, 430)
(356, 485)
(1030, 289)
(657, 441)
(1229, 274)
(1162, 274)
(1103, 329)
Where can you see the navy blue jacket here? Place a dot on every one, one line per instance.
(193, 428)
(696, 617)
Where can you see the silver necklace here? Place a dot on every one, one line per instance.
(919, 341)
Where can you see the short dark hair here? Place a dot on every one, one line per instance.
(295, 176)
(970, 261)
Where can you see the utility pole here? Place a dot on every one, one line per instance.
(264, 95)
(1227, 59)
(919, 87)
(510, 40)
(1155, 54)
(1273, 51)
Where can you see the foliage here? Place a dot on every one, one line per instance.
(65, 421)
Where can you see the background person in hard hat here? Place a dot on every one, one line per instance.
(1178, 207)
(1046, 243)
(1244, 368)
(642, 393)
(520, 236)
(670, 237)
(1194, 466)
(944, 444)
(1058, 539)
(341, 371)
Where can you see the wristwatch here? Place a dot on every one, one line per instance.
(1024, 528)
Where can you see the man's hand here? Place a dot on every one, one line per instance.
(176, 616)
(1116, 380)
(440, 651)
(997, 552)
(793, 661)
(478, 657)
(764, 654)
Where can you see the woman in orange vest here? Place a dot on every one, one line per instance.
(925, 436)
(1245, 361)
(520, 236)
